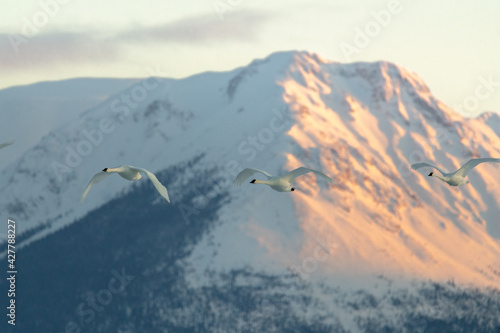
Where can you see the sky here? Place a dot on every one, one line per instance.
(454, 46)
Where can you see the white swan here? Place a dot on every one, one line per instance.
(5, 144)
(456, 178)
(280, 184)
(128, 172)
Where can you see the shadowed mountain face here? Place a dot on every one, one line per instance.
(123, 268)
(36, 109)
(382, 249)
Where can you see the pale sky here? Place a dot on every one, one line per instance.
(453, 45)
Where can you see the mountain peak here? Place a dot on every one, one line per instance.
(361, 123)
(312, 70)
(382, 69)
(291, 55)
(377, 227)
(492, 120)
(489, 116)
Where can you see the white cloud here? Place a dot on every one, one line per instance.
(207, 28)
(19, 52)
(48, 49)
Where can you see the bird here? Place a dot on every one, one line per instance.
(129, 173)
(280, 184)
(456, 178)
(5, 144)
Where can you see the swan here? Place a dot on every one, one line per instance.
(456, 178)
(5, 144)
(280, 184)
(128, 172)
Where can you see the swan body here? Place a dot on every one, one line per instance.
(129, 173)
(5, 144)
(456, 178)
(280, 184)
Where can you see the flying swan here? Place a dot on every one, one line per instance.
(129, 173)
(456, 178)
(280, 184)
(5, 144)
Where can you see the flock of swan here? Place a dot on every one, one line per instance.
(280, 184)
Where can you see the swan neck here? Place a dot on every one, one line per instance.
(440, 177)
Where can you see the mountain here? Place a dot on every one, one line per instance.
(382, 249)
(36, 109)
(492, 120)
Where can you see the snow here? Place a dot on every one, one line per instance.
(362, 124)
(36, 109)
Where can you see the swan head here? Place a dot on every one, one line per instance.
(430, 175)
(292, 189)
(105, 169)
(253, 181)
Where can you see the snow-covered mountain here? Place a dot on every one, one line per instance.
(34, 110)
(332, 253)
(492, 120)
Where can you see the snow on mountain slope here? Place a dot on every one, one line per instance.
(35, 109)
(492, 120)
(362, 124)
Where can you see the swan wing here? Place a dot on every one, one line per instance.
(98, 177)
(423, 164)
(159, 186)
(290, 177)
(5, 144)
(245, 174)
(472, 164)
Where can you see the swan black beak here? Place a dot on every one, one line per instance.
(105, 169)
(292, 189)
(430, 175)
(253, 181)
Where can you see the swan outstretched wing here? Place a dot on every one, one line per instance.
(290, 177)
(159, 186)
(5, 144)
(245, 174)
(473, 163)
(98, 177)
(423, 164)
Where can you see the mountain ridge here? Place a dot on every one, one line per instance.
(383, 248)
(379, 118)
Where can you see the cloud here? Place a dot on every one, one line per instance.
(233, 26)
(19, 52)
